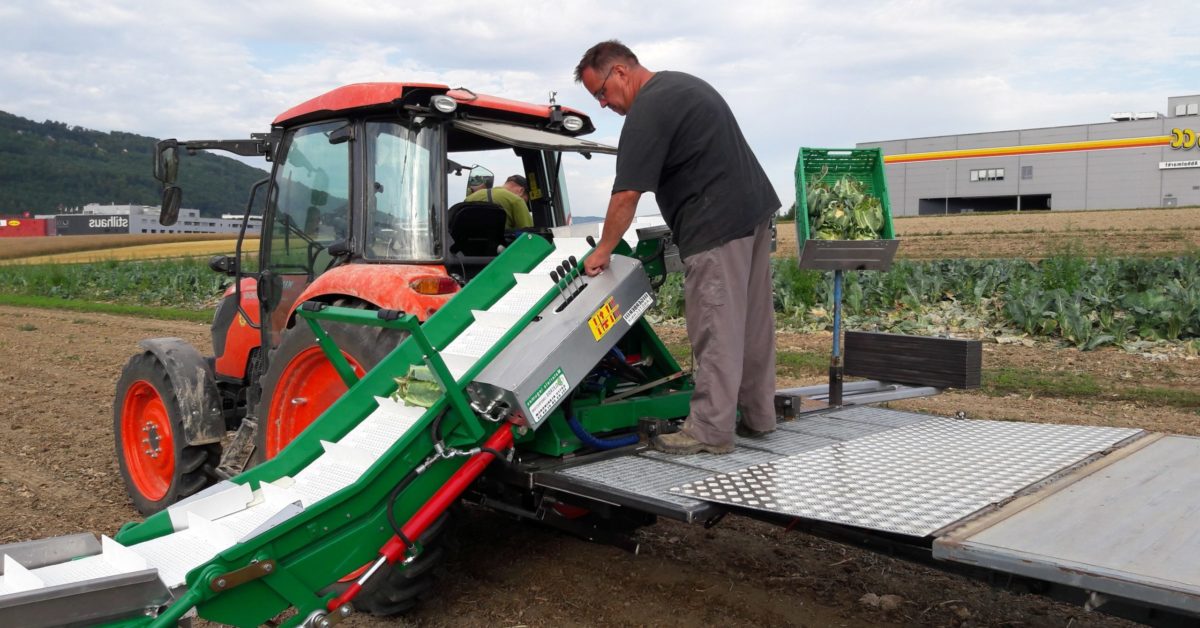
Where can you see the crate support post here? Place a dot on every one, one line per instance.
(836, 367)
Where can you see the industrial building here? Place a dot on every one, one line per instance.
(1136, 160)
(96, 218)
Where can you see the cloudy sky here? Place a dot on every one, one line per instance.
(797, 73)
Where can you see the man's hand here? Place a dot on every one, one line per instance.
(621, 207)
(597, 261)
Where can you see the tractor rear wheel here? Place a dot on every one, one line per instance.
(301, 383)
(159, 468)
(392, 590)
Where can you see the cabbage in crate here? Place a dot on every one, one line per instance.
(843, 210)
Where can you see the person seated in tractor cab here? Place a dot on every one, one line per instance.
(513, 197)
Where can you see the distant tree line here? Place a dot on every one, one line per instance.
(48, 167)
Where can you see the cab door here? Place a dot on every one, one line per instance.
(308, 210)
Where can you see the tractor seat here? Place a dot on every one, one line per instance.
(476, 228)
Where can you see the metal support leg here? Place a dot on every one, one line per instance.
(835, 360)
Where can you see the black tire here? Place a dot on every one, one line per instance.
(394, 591)
(157, 466)
(279, 420)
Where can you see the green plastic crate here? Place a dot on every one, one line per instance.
(863, 164)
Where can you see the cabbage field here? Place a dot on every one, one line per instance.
(1085, 302)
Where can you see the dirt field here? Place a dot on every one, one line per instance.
(58, 475)
(1039, 234)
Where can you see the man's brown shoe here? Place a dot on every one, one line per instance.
(683, 445)
(746, 432)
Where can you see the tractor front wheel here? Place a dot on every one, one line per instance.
(159, 468)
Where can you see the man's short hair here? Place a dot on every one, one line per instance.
(519, 180)
(603, 55)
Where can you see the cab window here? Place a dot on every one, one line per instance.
(311, 200)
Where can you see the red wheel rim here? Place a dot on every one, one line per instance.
(307, 387)
(146, 440)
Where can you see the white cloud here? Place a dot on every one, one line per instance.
(796, 73)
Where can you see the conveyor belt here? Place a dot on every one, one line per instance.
(230, 514)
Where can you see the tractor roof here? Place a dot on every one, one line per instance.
(367, 95)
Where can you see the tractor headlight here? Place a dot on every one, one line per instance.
(444, 103)
(572, 123)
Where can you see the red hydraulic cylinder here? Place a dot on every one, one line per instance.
(432, 509)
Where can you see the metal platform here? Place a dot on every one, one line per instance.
(1110, 512)
(1127, 526)
(643, 479)
(912, 480)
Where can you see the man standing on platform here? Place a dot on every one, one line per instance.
(681, 142)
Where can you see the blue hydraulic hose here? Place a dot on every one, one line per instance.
(586, 437)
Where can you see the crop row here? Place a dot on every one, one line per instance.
(1087, 302)
(1084, 301)
(183, 283)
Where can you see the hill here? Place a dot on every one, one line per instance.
(49, 166)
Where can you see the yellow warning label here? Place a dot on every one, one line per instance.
(604, 319)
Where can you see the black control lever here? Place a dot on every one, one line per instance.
(554, 277)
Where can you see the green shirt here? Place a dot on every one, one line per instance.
(516, 209)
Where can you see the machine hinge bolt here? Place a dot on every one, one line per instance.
(324, 623)
(221, 583)
(345, 610)
(267, 567)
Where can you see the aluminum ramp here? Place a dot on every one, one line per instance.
(1127, 526)
(1113, 513)
(644, 479)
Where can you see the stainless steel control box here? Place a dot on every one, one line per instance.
(546, 361)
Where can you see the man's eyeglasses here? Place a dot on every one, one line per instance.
(599, 94)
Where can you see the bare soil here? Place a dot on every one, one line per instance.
(58, 475)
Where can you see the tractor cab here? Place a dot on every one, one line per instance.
(362, 209)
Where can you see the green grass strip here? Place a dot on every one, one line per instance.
(77, 305)
(1081, 386)
(801, 363)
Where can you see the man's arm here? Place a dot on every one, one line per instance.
(621, 208)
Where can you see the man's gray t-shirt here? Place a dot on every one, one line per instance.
(681, 142)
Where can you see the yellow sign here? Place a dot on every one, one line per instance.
(1183, 139)
(534, 191)
(604, 319)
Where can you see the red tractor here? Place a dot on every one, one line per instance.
(355, 213)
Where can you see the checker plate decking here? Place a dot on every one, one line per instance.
(644, 479)
(910, 479)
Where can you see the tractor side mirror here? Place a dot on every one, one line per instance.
(224, 264)
(479, 178)
(172, 197)
(166, 161)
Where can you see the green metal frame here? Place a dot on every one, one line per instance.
(598, 414)
(344, 531)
